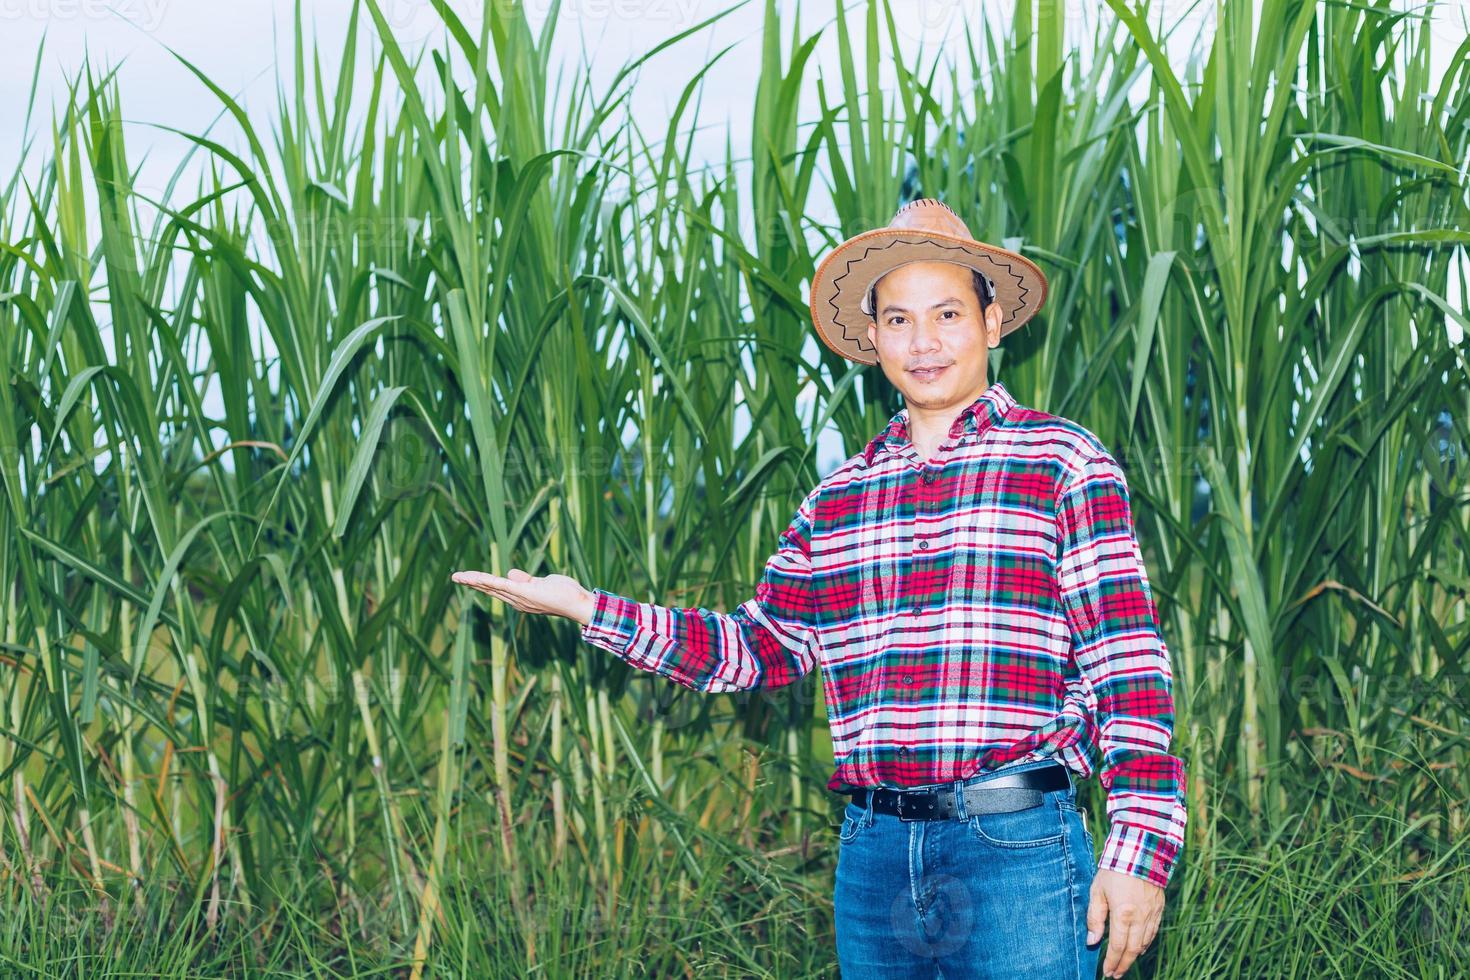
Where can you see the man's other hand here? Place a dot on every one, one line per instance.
(556, 595)
(1131, 908)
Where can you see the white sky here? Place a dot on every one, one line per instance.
(242, 46)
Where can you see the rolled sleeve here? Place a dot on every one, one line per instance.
(613, 624)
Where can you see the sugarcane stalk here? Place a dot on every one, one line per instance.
(380, 778)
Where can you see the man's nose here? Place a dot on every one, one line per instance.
(925, 336)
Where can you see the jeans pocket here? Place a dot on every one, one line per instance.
(854, 821)
(1033, 827)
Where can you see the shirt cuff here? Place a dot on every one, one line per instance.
(614, 621)
(1132, 850)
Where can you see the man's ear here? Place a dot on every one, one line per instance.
(993, 316)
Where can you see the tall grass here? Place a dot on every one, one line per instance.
(450, 314)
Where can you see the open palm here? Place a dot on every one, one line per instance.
(555, 595)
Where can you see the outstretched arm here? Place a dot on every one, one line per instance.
(767, 641)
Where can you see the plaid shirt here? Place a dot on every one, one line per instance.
(987, 606)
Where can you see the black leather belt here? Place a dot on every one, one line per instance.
(999, 794)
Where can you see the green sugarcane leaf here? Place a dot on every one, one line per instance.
(351, 345)
(164, 583)
(362, 457)
(1149, 300)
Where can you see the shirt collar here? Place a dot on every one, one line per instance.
(973, 421)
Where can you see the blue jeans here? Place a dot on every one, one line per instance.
(999, 895)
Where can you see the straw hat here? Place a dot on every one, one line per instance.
(925, 230)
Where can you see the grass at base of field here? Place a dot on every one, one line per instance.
(1341, 898)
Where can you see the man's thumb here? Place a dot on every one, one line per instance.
(1097, 914)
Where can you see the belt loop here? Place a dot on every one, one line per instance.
(959, 800)
(868, 807)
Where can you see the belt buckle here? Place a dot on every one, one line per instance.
(927, 803)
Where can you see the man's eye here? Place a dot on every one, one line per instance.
(950, 313)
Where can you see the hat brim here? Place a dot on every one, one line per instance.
(847, 273)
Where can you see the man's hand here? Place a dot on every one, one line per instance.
(1131, 907)
(557, 595)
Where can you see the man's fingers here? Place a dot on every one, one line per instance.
(1097, 913)
(515, 600)
(477, 579)
(1137, 943)
(1127, 942)
(497, 592)
(1151, 929)
(487, 582)
(1115, 964)
(493, 585)
(510, 582)
(487, 589)
(1123, 937)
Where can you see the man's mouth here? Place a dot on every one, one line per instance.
(927, 373)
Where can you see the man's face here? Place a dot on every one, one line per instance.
(931, 340)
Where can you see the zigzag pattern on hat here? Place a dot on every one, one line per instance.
(926, 202)
(861, 341)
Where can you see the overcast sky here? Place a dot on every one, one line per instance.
(240, 46)
(246, 46)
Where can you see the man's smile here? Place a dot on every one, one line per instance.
(928, 372)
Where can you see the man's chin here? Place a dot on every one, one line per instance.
(917, 391)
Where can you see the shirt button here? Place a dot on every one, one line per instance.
(916, 610)
(903, 750)
(908, 678)
(923, 546)
(928, 476)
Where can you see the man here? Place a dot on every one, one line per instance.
(972, 587)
